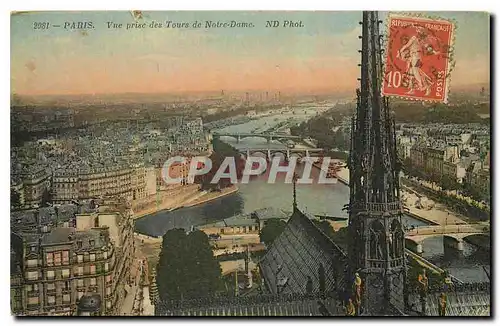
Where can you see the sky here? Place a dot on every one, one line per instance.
(321, 56)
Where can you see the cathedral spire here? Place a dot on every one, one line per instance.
(377, 240)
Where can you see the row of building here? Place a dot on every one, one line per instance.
(461, 158)
(60, 254)
(121, 160)
(64, 186)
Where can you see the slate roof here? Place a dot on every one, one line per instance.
(98, 238)
(27, 220)
(57, 236)
(297, 254)
(466, 300)
(262, 305)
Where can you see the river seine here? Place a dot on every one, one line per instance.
(320, 199)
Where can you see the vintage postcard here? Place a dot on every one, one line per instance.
(244, 163)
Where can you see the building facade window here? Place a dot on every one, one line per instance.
(51, 286)
(32, 287)
(92, 257)
(32, 262)
(80, 270)
(57, 259)
(32, 275)
(80, 258)
(80, 294)
(92, 269)
(66, 297)
(65, 257)
(33, 300)
(50, 259)
(65, 273)
(51, 299)
(93, 281)
(51, 274)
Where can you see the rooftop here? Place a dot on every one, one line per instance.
(298, 254)
(269, 213)
(57, 236)
(261, 305)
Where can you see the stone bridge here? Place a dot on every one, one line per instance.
(453, 235)
(286, 152)
(268, 137)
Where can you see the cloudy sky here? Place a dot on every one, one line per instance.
(321, 56)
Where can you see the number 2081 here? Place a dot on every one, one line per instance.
(41, 25)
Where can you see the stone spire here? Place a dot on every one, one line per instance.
(376, 249)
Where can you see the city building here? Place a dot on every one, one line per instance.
(404, 145)
(235, 225)
(244, 224)
(454, 170)
(53, 267)
(35, 182)
(438, 160)
(477, 179)
(97, 182)
(17, 190)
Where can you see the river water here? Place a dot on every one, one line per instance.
(321, 199)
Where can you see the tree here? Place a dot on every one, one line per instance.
(203, 269)
(187, 267)
(170, 268)
(448, 183)
(271, 230)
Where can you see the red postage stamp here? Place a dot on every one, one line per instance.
(418, 58)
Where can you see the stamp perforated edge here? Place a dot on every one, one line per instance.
(451, 60)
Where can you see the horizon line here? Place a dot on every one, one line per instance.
(320, 91)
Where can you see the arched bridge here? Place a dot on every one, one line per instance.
(453, 234)
(268, 137)
(286, 152)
